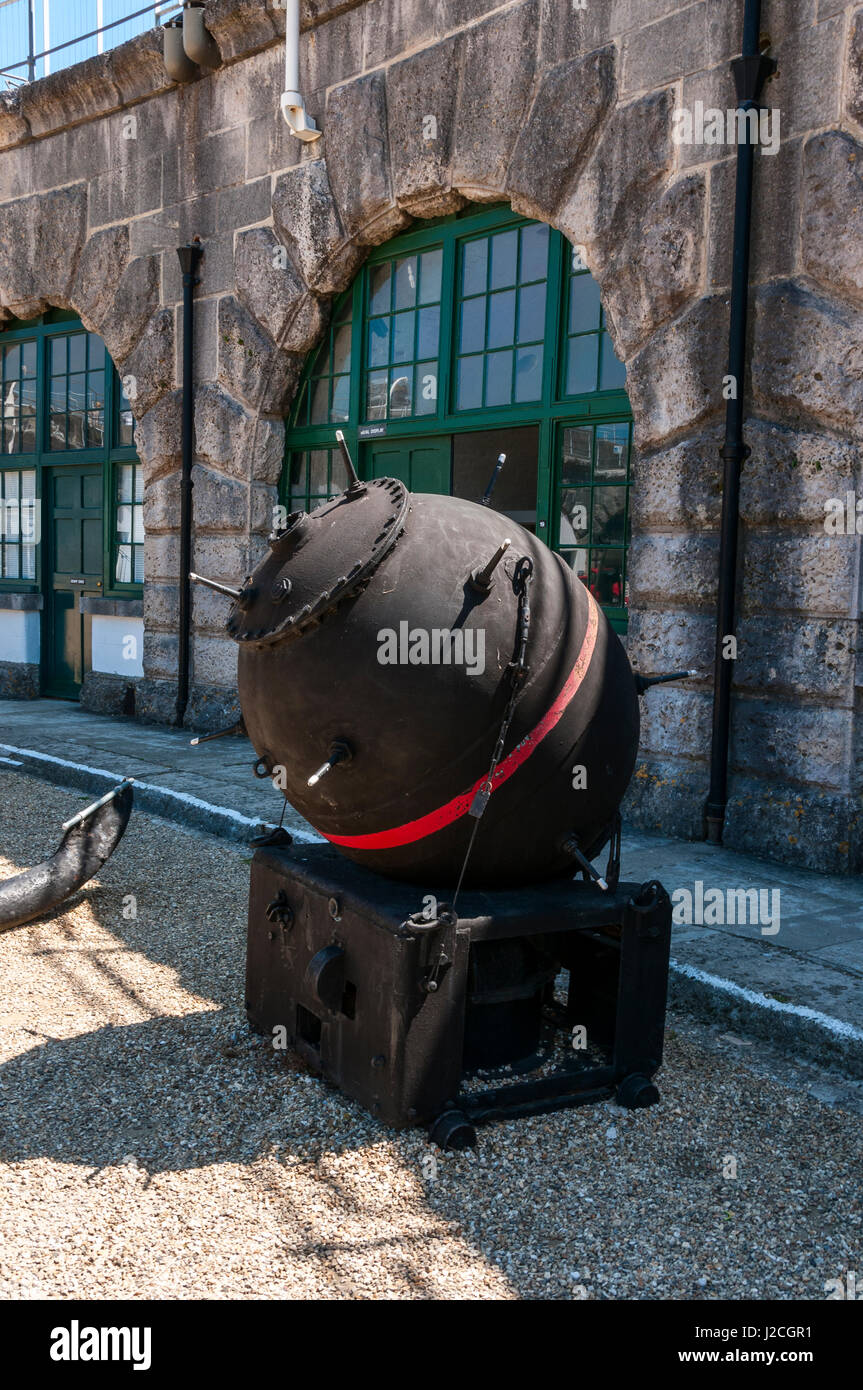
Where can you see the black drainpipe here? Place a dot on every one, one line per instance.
(189, 257)
(750, 72)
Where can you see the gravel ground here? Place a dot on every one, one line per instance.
(151, 1147)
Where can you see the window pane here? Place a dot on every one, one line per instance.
(577, 455)
(379, 300)
(469, 394)
(401, 395)
(612, 371)
(581, 365)
(501, 319)
(95, 390)
(431, 263)
(28, 359)
(574, 515)
(504, 259)
(126, 428)
(12, 361)
(426, 388)
(95, 429)
(531, 314)
(528, 374)
(612, 452)
(429, 332)
(323, 364)
(58, 355)
(403, 337)
(498, 382)
(472, 325)
(341, 399)
(321, 401)
(77, 352)
(298, 473)
(125, 482)
(583, 304)
(606, 576)
(609, 514)
(319, 472)
(123, 567)
(406, 282)
(342, 349)
(338, 472)
(534, 252)
(379, 343)
(376, 396)
(474, 263)
(77, 404)
(57, 432)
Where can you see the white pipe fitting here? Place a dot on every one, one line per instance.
(292, 105)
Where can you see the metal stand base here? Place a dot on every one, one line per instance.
(384, 1002)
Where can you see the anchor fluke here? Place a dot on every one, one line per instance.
(89, 839)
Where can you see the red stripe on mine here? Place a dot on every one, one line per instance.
(453, 810)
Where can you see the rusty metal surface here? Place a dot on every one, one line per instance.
(413, 740)
(81, 853)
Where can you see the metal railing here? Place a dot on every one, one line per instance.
(79, 25)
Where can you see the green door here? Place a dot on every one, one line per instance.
(74, 567)
(424, 465)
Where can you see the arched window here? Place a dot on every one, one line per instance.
(71, 485)
(478, 334)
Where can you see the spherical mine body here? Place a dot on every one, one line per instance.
(362, 635)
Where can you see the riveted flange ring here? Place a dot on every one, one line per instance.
(322, 559)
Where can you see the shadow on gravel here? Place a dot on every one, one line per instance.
(172, 1094)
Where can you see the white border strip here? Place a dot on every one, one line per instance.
(305, 836)
(837, 1026)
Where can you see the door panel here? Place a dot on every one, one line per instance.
(73, 568)
(424, 465)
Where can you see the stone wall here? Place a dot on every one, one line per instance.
(567, 113)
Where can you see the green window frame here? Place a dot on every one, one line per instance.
(18, 384)
(480, 321)
(63, 402)
(18, 524)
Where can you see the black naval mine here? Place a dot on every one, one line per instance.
(419, 943)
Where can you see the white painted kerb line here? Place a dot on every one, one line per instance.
(837, 1026)
(307, 837)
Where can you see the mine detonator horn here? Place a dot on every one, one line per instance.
(481, 579)
(340, 752)
(243, 596)
(485, 500)
(643, 683)
(355, 487)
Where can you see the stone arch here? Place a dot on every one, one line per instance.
(49, 260)
(605, 173)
